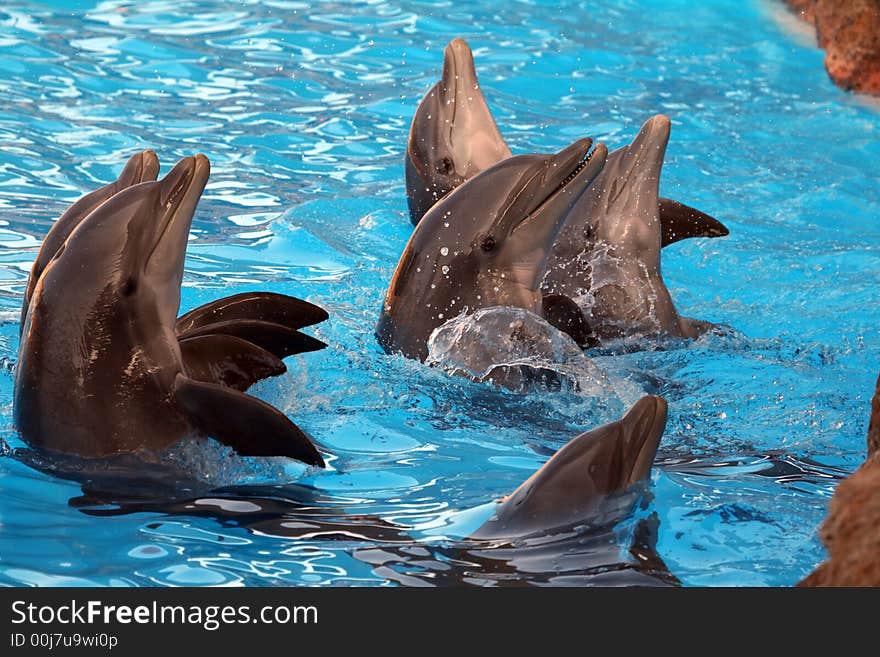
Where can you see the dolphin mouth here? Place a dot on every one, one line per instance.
(567, 176)
(574, 159)
(181, 190)
(648, 418)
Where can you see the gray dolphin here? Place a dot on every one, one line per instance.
(101, 368)
(453, 136)
(485, 244)
(607, 255)
(572, 485)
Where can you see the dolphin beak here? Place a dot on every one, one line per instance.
(556, 188)
(566, 163)
(643, 426)
(141, 167)
(179, 194)
(459, 71)
(649, 148)
(470, 129)
(566, 176)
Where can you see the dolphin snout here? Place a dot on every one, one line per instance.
(459, 49)
(643, 427)
(190, 172)
(179, 193)
(141, 167)
(659, 124)
(568, 159)
(459, 70)
(650, 143)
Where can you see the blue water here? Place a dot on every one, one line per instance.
(304, 113)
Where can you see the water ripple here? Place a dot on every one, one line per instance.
(304, 109)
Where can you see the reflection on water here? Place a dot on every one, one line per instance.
(304, 112)
(600, 552)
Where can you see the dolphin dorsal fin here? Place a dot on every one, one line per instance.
(248, 425)
(228, 360)
(679, 221)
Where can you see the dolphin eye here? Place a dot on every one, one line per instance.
(488, 244)
(130, 286)
(446, 165)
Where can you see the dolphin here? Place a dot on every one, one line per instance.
(571, 487)
(485, 244)
(101, 369)
(453, 136)
(607, 255)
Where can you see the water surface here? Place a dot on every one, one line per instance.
(304, 109)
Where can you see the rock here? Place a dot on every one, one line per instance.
(849, 31)
(806, 9)
(874, 425)
(851, 532)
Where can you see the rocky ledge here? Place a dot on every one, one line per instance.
(849, 31)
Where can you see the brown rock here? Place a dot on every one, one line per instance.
(851, 532)
(874, 425)
(849, 31)
(806, 9)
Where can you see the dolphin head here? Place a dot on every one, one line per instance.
(625, 200)
(128, 253)
(485, 244)
(453, 135)
(570, 487)
(141, 167)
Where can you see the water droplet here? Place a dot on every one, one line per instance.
(445, 269)
(444, 251)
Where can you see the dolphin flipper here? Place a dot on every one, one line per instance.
(248, 425)
(563, 313)
(228, 360)
(141, 167)
(262, 306)
(282, 341)
(679, 221)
